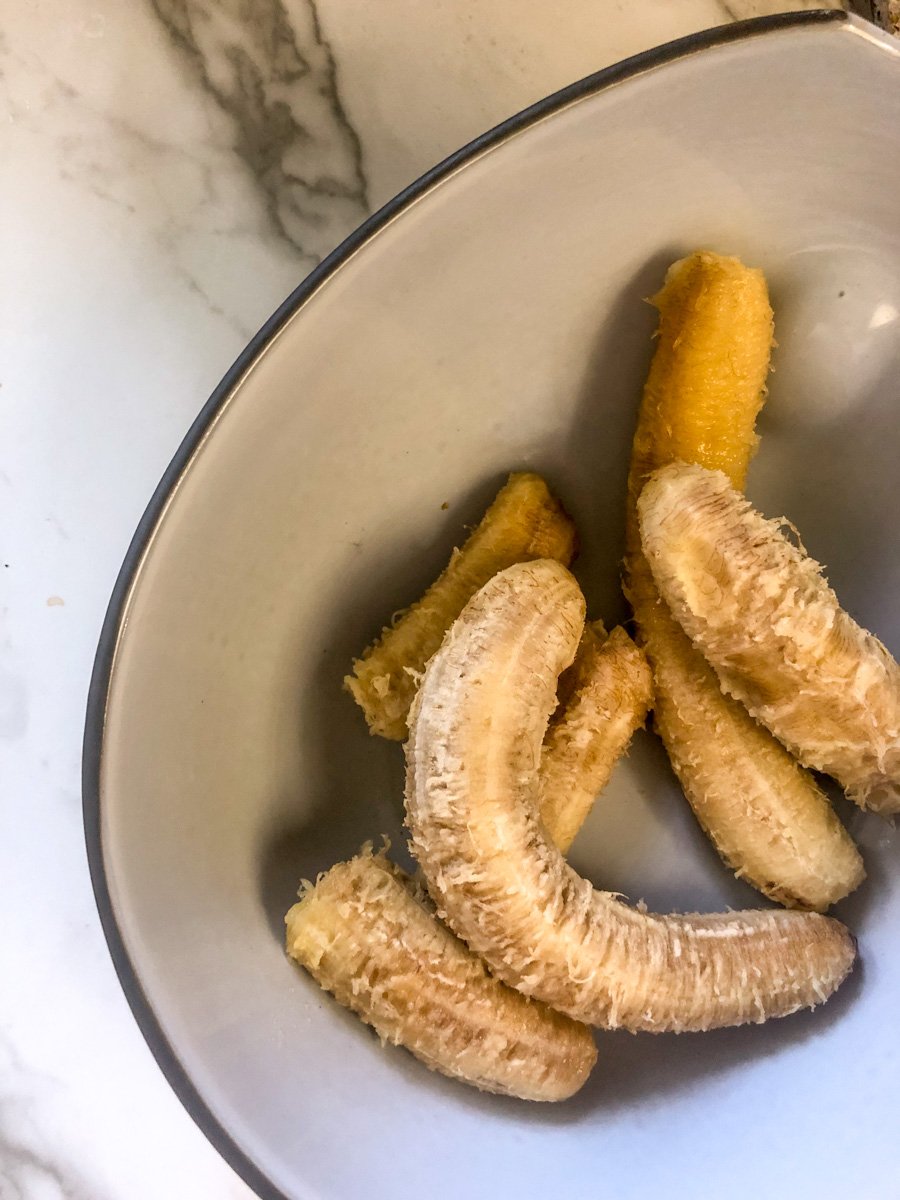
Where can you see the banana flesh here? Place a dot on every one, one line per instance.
(366, 935)
(525, 521)
(765, 618)
(606, 697)
(766, 816)
(476, 729)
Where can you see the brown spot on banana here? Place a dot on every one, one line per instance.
(505, 888)
(760, 611)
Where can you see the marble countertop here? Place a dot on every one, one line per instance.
(173, 169)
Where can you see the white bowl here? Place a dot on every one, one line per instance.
(491, 318)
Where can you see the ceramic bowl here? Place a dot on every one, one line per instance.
(492, 318)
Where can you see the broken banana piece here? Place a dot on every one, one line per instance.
(765, 815)
(471, 799)
(525, 521)
(765, 618)
(605, 699)
(366, 935)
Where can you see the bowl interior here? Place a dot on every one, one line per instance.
(498, 323)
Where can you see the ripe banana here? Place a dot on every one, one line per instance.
(525, 521)
(762, 614)
(764, 813)
(366, 935)
(471, 800)
(604, 698)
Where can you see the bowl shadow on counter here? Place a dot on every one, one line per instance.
(355, 782)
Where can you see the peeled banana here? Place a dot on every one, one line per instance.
(471, 800)
(762, 614)
(366, 935)
(525, 521)
(764, 813)
(604, 698)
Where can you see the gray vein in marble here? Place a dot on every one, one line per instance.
(24, 1171)
(54, 522)
(27, 1165)
(100, 183)
(193, 285)
(97, 164)
(272, 72)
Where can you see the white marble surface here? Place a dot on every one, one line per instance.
(172, 168)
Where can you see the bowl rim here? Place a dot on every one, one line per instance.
(104, 662)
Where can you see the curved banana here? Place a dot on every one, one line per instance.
(524, 521)
(762, 614)
(366, 935)
(765, 815)
(604, 700)
(496, 878)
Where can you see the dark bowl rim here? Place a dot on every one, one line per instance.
(98, 693)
